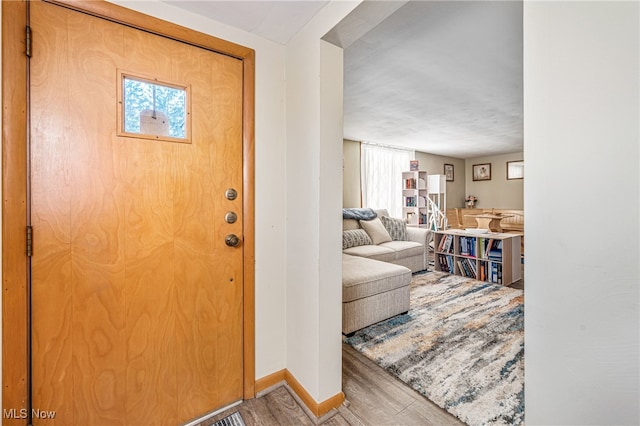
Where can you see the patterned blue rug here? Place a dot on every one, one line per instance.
(461, 345)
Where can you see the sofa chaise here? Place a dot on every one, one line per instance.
(379, 256)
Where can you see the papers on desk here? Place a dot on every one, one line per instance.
(477, 230)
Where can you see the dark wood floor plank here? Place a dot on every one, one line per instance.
(337, 420)
(368, 393)
(378, 398)
(285, 408)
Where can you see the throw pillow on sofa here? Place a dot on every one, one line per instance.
(397, 228)
(376, 231)
(355, 238)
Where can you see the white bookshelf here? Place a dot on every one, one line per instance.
(414, 198)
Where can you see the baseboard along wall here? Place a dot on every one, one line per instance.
(318, 409)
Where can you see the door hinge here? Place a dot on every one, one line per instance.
(28, 41)
(29, 241)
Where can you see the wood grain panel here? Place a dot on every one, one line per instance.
(156, 26)
(51, 195)
(14, 210)
(200, 232)
(150, 179)
(248, 249)
(154, 296)
(98, 353)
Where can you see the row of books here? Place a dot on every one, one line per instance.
(410, 183)
(415, 201)
(446, 244)
(446, 263)
(483, 271)
(467, 268)
(490, 271)
(468, 246)
(490, 248)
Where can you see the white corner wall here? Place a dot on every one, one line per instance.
(314, 200)
(581, 109)
(330, 290)
(270, 195)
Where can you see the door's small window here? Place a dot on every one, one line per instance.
(153, 109)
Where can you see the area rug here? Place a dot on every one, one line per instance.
(461, 345)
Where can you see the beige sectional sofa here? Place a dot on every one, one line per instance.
(410, 253)
(379, 256)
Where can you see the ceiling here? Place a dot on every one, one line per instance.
(443, 77)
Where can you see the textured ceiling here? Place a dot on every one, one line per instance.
(443, 77)
(439, 77)
(274, 20)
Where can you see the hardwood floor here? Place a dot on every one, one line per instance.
(377, 398)
(277, 407)
(373, 397)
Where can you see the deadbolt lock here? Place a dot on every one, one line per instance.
(230, 217)
(231, 194)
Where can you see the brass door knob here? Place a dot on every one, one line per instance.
(232, 240)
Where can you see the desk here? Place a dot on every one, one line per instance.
(489, 221)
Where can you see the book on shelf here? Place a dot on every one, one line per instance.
(467, 268)
(472, 266)
(490, 248)
(494, 251)
(468, 246)
(493, 272)
(446, 244)
(446, 263)
(410, 183)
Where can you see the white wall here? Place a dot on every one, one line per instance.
(330, 288)
(314, 182)
(434, 165)
(270, 196)
(581, 109)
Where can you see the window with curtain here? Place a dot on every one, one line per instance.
(381, 176)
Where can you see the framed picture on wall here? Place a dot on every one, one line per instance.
(515, 170)
(482, 171)
(448, 172)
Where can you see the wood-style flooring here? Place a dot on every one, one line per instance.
(373, 397)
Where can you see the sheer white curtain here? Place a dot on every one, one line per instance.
(381, 176)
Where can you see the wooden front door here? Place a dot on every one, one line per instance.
(136, 298)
